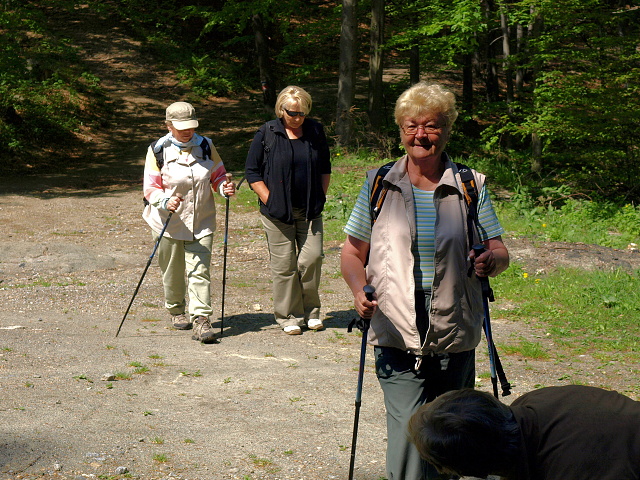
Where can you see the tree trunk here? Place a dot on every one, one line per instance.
(536, 153)
(376, 100)
(491, 79)
(520, 47)
(347, 75)
(537, 161)
(506, 55)
(467, 83)
(264, 64)
(414, 64)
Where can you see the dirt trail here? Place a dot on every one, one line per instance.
(77, 402)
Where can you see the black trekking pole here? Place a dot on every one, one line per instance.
(145, 269)
(224, 264)
(487, 296)
(363, 325)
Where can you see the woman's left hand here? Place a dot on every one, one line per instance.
(493, 261)
(484, 264)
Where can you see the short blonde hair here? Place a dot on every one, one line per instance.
(423, 98)
(293, 94)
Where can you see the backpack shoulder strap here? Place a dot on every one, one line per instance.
(159, 154)
(206, 149)
(470, 191)
(378, 191)
(269, 138)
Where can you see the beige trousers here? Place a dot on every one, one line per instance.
(296, 256)
(176, 257)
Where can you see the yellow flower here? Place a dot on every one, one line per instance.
(525, 275)
(537, 280)
(544, 225)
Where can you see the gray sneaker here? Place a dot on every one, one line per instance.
(180, 322)
(202, 330)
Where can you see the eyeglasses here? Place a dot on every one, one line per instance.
(413, 129)
(295, 114)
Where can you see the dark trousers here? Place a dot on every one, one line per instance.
(405, 390)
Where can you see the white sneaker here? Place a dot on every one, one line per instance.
(292, 330)
(315, 324)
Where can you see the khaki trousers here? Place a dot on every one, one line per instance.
(176, 257)
(296, 256)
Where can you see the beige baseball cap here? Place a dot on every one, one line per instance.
(182, 115)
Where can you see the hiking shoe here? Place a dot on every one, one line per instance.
(315, 324)
(202, 330)
(292, 330)
(180, 322)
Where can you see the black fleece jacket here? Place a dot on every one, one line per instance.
(270, 159)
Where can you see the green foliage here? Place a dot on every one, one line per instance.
(44, 92)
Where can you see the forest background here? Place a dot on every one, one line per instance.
(549, 108)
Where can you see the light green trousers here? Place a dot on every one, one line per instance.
(296, 256)
(176, 257)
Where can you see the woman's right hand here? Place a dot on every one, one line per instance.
(364, 307)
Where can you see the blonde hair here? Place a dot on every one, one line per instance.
(423, 98)
(293, 94)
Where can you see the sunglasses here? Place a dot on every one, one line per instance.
(294, 114)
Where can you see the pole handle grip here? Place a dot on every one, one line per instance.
(369, 290)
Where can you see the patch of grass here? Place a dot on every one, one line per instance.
(161, 457)
(157, 440)
(122, 376)
(260, 462)
(527, 349)
(579, 311)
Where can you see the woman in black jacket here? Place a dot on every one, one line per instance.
(289, 168)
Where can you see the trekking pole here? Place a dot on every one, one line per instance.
(362, 325)
(145, 269)
(487, 296)
(224, 264)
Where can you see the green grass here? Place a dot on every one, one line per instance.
(580, 311)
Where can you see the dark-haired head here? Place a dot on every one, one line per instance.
(466, 432)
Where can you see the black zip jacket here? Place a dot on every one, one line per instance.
(270, 159)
